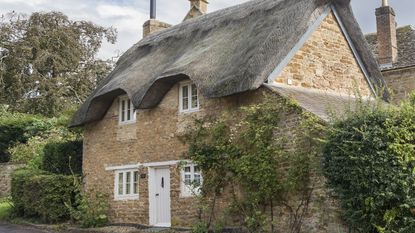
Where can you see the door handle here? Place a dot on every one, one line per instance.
(157, 195)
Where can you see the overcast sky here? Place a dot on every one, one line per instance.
(128, 16)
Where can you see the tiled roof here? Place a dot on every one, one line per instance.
(406, 46)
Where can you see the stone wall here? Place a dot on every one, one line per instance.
(6, 170)
(326, 62)
(156, 137)
(401, 82)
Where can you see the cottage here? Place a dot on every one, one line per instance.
(311, 51)
(394, 49)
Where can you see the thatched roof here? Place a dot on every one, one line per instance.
(226, 52)
(406, 46)
(324, 104)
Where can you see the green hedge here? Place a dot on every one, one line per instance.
(63, 157)
(369, 160)
(39, 195)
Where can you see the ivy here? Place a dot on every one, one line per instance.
(251, 159)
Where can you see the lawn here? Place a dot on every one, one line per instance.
(5, 208)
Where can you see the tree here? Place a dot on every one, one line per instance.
(48, 62)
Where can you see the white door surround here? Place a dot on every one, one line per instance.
(159, 196)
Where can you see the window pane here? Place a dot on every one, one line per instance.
(187, 169)
(187, 179)
(185, 97)
(135, 191)
(129, 110)
(128, 183)
(120, 182)
(197, 180)
(123, 110)
(194, 97)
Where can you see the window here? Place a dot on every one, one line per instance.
(127, 112)
(189, 97)
(191, 180)
(126, 184)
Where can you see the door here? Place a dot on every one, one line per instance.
(160, 214)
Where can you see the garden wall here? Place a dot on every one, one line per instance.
(6, 169)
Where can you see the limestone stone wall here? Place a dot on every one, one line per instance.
(401, 82)
(326, 62)
(156, 137)
(6, 170)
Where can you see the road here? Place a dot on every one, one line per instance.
(10, 228)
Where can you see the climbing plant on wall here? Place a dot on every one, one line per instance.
(259, 162)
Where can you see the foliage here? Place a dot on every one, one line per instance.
(36, 194)
(89, 211)
(231, 153)
(24, 137)
(5, 209)
(18, 128)
(63, 157)
(48, 62)
(369, 160)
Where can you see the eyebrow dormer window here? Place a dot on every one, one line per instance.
(127, 112)
(189, 97)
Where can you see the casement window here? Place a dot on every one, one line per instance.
(191, 180)
(127, 112)
(126, 184)
(189, 97)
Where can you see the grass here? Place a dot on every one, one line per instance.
(5, 208)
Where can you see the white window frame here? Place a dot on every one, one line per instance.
(133, 116)
(189, 191)
(131, 195)
(188, 84)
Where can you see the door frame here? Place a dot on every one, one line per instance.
(151, 196)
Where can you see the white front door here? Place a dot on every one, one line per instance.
(159, 185)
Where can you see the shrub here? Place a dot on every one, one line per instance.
(63, 157)
(30, 153)
(36, 194)
(18, 128)
(369, 161)
(90, 211)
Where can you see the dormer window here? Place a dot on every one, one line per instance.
(127, 112)
(189, 97)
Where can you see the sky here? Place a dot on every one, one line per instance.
(128, 16)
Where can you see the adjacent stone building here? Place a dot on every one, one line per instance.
(308, 51)
(394, 49)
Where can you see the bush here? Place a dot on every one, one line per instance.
(90, 211)
(43, 196)
(18, 128)
(63, 157)
(369, 161)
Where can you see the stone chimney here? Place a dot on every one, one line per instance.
(386, 34)
(197, 8)
(153, 25)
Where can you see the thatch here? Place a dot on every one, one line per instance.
(406, 47)
(223, 53)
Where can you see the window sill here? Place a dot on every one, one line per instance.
(126, 123)
(189, 111)
(127, 198)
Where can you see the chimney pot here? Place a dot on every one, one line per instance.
(153, 10)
